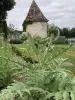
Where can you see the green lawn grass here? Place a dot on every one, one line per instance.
(69, 53)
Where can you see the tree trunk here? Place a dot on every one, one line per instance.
(5, 30)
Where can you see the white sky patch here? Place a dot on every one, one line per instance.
(59, 12)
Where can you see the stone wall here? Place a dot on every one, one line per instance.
(37, 29)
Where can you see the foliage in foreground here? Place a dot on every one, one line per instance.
(42, 83)
(48, 79)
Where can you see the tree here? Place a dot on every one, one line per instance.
(5, 5)
(11, 28)
(61, 32)
(52, 29)
(72, 32)
(66, 32)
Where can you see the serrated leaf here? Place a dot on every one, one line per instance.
(20, 93)
(66, 96)
(58, 96)
(27, 91)
(49, 96)
(67, 64)
(72, 96)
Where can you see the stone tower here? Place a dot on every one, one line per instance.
(35, 23)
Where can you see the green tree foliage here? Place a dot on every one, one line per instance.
(11, 29)
(52, 29)
(5, 5)
(53, 33)
(72, 32)
(67, 32)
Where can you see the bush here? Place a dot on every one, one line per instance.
(7, 68)
(52, 29)
(24, 57)
(24, 36)
(15, 41)
(60, 41)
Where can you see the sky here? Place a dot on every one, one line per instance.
(59, 12)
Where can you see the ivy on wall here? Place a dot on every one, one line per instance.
(25, 24)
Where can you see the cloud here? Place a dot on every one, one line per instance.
(59, 12)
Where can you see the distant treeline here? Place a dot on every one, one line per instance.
(68, 33)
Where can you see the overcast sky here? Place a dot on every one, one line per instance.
(59, 12)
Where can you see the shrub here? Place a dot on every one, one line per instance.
(26, 58)
(43, 83)
(52, 29)
(47, 80)
(15, 41)
(7, 67)
(60, 41)
(23, 36)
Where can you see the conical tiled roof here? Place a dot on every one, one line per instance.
(35, 14)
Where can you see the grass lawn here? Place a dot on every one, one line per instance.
(69, 53)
